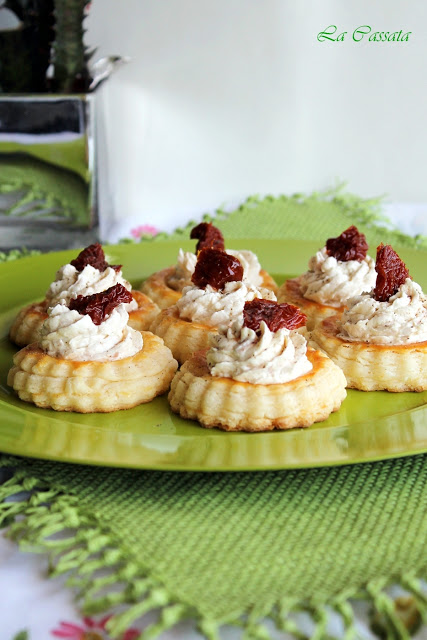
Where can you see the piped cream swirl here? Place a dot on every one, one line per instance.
(186, 263)
(70, 283)
(250, 264)
(68, 334)
(400, 320)
(215, 308)
(332, 282)
(181, 276)
(271, 358)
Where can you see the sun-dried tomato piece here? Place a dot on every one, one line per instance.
(350, 245)
(99, 305)
(275, 315)
(93, 255)
(391, 273)
(210, 237)
(216, 268)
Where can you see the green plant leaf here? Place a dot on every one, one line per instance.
(22, 635)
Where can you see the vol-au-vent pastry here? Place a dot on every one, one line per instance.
(90, 360)
(258, 375)
(380, 341)
(165, 287)
(87, 274)
(216, 297)
(339, 271)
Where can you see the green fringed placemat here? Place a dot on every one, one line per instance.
(319, 215)
(229, 548)
(235, 548)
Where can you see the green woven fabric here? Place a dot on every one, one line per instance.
(234, 548)
(320, 215)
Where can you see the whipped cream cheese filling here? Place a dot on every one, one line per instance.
(181, 277)
(186, 264)
(272, 358)
(400, 320)
(250, 264)
(68, 334)
(70, 283)
(214, 308)
(332, 282)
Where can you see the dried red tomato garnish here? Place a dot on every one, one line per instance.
(275, 315)
(93, 255)
(99, 305)
(209, 237)
(391, 273)
(216, 268)
(350, 245)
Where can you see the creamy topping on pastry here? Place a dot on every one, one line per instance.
(250, 264)
(68, 334)
(332, 282)
(400, 320)
(184, 269)
(272, 358)
(214, 308)
(186, 264)
(70, 283)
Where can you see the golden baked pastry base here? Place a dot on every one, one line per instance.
(141, 318)
(374, 367)
(27, 325)
(89, 387)
(267, 281)
(181, 336)
(157, 289)
(240, 406)
(290, 292)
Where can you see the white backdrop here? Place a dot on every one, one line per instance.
(225, 98)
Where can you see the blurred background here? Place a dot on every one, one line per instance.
(227, 98)
(221, 99)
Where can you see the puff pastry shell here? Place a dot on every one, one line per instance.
(241, 406)
(290, 292)
(157, 289)
(27, 325)
(181, 336)
(374, 367)
(87, 387)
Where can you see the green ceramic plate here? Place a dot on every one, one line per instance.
(369, 426)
